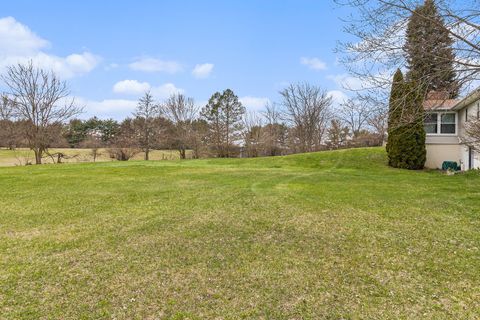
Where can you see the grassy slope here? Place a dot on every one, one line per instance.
(323, 235)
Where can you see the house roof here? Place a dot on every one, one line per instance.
(438, 101)
(438, 95)
(470, 98)
(440, 105)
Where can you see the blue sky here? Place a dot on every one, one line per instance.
(111, 51)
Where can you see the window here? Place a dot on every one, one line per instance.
(440, 123)
(448, 123)
(431, 123)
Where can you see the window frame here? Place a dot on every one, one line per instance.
(424, 124)
(439, 124)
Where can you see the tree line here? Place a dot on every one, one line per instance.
(433, 44)
(37, 112)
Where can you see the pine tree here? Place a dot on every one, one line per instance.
(407, 143)
(224, 114)
(395, 108)
(429, 51)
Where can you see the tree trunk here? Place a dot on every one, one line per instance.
(147, 152)
(182, 153)
(38, 155)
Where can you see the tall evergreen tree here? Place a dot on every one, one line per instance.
(429, 51)
(395, 108)
(407, 141)
(224, 114)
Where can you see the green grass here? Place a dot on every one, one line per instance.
(334, 235)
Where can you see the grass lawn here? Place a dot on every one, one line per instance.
(334, 235)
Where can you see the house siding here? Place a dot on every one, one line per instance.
(438, 153)
(442, 139)
(464, 151)
(442, 148)
(471, 111)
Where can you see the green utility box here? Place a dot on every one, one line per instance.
(452, 165)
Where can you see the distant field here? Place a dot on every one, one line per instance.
(331, 235)
(21, 156)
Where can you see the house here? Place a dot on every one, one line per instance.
(445, 126)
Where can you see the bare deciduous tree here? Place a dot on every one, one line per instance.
(337, 134)
(200, 133)
(378, 121)
(182, 111)
(252, 134)
(274, 132)
(472, 134)
(9, 135)
(307, 110)
(125, 142)
(41, 99)
(355, 114)
(94, 143)
(6, 108)
(145, 114)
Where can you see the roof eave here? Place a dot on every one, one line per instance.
(472, 97)
(440, 110)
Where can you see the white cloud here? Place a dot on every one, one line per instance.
(254, 103)
(134, 87)
(165, 90)
(120, 109)
(155, 65)
(18, 39)
(313, 63)
(65, 67)
(18, 44)
(110, 108)
(202, 71)
(131, 87)
(81, 63)
(347, 82)
(337, 96)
